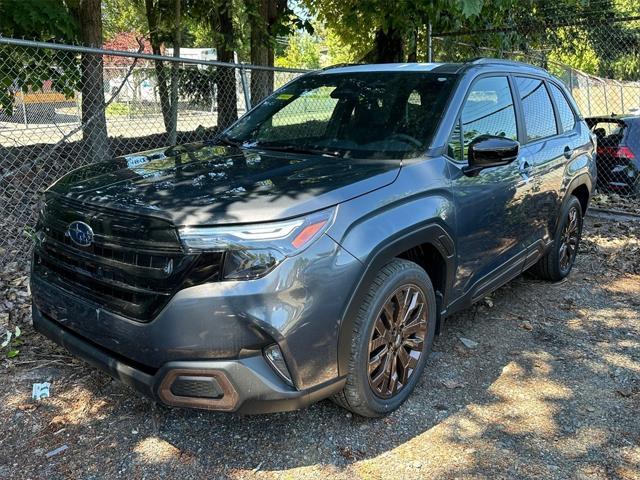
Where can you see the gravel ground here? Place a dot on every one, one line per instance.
(551, 390)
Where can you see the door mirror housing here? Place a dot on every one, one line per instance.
(488, 151)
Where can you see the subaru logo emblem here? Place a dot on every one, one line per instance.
(80, 233)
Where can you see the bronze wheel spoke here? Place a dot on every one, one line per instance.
(402, 298)
(414, 343)
(569, 240)
(414, 328)
(397, 340)
(391, 383)
(415, 315)
(380, 328)
(387, 310)
(377, 343)
(377, 359)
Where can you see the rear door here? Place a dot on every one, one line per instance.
(545, 151)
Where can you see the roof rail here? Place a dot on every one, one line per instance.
(339, 65)
(501, 61)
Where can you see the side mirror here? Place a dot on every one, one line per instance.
(488, 151)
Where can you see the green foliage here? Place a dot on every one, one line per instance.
(25, 69)
(356, 22)
(198, 85)
(303, 51)
(574, 51)
(37, 20)
(626, 67)
(122, 16)
(11, 343)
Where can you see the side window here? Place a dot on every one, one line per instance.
(537, 109)
(567, 118)
(488, 110)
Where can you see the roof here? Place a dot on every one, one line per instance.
(489, 63)
(381, 67)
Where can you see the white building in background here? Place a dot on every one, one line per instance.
(198, 54)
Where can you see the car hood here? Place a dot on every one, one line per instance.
(200, 184)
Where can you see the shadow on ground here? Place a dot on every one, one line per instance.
(551, 391)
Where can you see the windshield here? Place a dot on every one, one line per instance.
(361, 115)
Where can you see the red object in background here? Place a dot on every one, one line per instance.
(616, 152)
(127, 42)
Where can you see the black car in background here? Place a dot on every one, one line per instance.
(618, 152)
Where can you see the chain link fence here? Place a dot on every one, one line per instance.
(44, 133)
(608, 47)
(47, 128)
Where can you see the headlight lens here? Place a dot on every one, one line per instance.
(254, 250)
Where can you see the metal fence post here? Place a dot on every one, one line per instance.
(570, 81)
(24, 112)
(606, 98)
(588, 97)
(621, 98)
(430, 44)
(245, 88)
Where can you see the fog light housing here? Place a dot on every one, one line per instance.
(274, 357)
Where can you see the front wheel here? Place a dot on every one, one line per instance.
(392, 337)
(558, 262)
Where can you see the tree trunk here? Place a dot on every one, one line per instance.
(266, 14)
(152, 14)
(226, 95)
(412, 47)
(94, 123)
(388, 48)
(172, 129)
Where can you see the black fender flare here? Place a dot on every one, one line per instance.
(432, 233)
(578, 180)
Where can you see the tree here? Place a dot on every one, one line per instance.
(119, 16)
(268, 19)
(303, 51)
(28, 69)
(382, 31)
(164, 23)
(221, 20)
(94, 122)
(177, 39)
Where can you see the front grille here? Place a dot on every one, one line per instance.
(133, 267)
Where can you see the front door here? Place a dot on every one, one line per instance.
(491, 207)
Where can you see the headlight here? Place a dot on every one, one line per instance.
(254, 250)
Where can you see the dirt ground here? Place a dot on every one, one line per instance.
(551, 390)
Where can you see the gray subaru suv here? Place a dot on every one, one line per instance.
(315, 248)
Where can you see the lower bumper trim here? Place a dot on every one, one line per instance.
(249, 385)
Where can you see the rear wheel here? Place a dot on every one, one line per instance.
(558, 262)
(392, 338)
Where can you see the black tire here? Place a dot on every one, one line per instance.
(553, 266)
(387, 288)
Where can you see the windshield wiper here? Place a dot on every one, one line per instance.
(227, 141)
(296, 149)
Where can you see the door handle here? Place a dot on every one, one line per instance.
(568, 152)
(524, 168)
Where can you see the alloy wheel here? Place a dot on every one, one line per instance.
(397, 341)
(569, 240)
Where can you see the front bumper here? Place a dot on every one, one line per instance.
(247, 385)
(294, 306)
